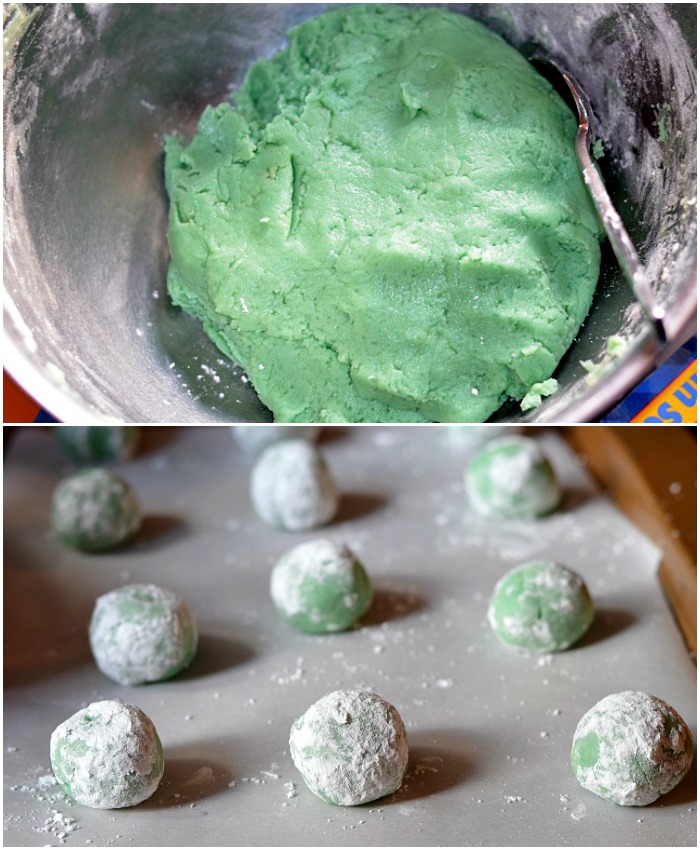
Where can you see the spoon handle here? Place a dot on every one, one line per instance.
(615, 230)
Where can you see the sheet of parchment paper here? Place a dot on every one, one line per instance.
(490, 729)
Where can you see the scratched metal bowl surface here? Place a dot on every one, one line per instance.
(91, 90)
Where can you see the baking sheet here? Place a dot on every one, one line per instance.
(490, 729)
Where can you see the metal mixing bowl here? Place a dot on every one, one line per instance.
(90, 91)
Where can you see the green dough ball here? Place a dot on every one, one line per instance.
(387, 222)
(541, 606)
(350, 747)
(95, 510)
(510, 478)
(98, 443)
(631, 748)
(320, 586)
(107, 756)
(291, 488)
(142, 633)
(254, 439)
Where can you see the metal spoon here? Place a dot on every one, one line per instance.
(619, 238)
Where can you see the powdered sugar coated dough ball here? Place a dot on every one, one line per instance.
(350, 747)
(254, 439)
(95, 510)
(510, 478)
(107, 756)
(291, 488)
(631, 748)
(98, 443)
(469, 438)
(142, 633)
(541, 606)
(320, 586)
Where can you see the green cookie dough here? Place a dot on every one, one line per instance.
(107, 756)
(387, 222)
(510, 478)
(320, 586)
(291, 488)
(142, 633)
(98, 443)
(350, 747)
(95, 510)
(541, 606)
(631, 748)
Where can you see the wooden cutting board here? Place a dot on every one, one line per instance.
(650, 472)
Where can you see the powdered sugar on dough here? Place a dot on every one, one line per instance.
(631, 748)
(97, 443)
(254, 439)
(291, 488)
(511, 479)
(95, 509)
(350, 747)
(473, 437)
(107, 756)
(540, 606)
(320, 586)
(142, 633)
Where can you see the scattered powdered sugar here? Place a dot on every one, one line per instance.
(580, 811)
(60, 825)
(286, 677)
(202, 776)
(56, 823)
